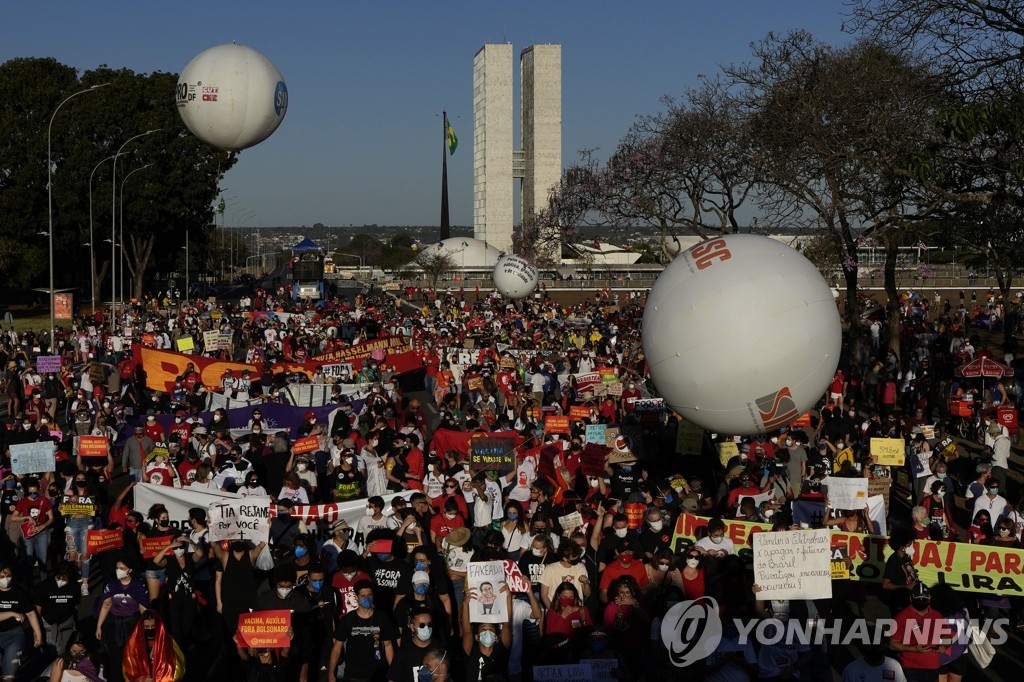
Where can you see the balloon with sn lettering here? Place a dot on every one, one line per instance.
(515, 277)
(231, 96)
(742, 334)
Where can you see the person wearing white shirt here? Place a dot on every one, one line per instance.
(376, 481)
(374, 519)
(874, 666)
(715, 544)
(991, 501)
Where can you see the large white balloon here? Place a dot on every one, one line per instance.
(742, 334)
(231, 96)
(514, 277)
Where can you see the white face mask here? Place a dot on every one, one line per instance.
(179, 551)
(5, 583)
(61, 583)
(300, 467)
(122, 573)
(656, 525)
(717, 539)
(283, 592)
(693, 563)
(663, 568)
(621, 532)
(910, 552)
(537, 552)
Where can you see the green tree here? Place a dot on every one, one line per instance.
(160, 203)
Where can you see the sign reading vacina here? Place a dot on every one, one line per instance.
(489, 453)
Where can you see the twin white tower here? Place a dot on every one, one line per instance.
(496, 163)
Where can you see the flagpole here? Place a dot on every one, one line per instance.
(446, 231)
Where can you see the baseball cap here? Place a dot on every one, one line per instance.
(420, 577)
(920, 591)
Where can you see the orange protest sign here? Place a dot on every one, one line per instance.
(97, 541)
(93, 446)
(151, 546)
(301, 446)
(265, 629)
(578, 412)
(556, 424)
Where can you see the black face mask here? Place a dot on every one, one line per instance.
(920, 604)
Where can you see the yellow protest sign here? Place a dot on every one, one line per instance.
(727, 451)
(185, 344)
(980, 569)
(888, 451)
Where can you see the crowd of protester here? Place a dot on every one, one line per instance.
(386, 597)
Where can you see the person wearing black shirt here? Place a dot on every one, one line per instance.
(365, 635)
(15, 608)
(487, 650)
(900, 575)
(315, 624)
(409, 657)
(57, 600)
(387, 571)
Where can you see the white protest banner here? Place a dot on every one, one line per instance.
(575, 671)
(245, 519)
(847, 493)
(32, 458)
(595, 433)
(758, 499)
(876, 514)
(602, 668)
(351, 511)
(337, 370)
(48, 364)
(211, 340)
(488, 604)
(570, 522)
(178, 501)
(793, 564)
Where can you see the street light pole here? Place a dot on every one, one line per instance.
(49, 196)
(113, 229)
(92, 256)
(121, 237)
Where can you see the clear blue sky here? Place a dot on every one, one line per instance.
(367, 81)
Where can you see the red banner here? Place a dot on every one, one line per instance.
(265, 629)
(162, 367)
(93, 446)
(301, 446)
(445, 440)
(97, 541)
(359, 353)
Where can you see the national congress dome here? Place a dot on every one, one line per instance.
(466, 252)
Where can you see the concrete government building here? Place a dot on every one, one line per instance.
(496, 163)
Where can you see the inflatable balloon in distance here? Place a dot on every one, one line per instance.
(514, 277)
(742, 334)
(231, 97)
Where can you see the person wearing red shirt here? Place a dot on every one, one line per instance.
(609, 410)
(414, 460)
(630, 394)
(624, 565)
(180, 427)
(153, 430)
(919, 629)
(34, 514)
(567, 615)
(443, 524)
(747, 488)
(343, 583)
(451, 492)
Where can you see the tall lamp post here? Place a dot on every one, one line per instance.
(121, 237)
(49, 195)
(92, 256)
(113, 229)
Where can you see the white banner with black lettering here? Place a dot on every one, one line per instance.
(178, 501)
(244, 519)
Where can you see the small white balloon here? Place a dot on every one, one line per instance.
(742, 334)
(231, 96)
(515, 277)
